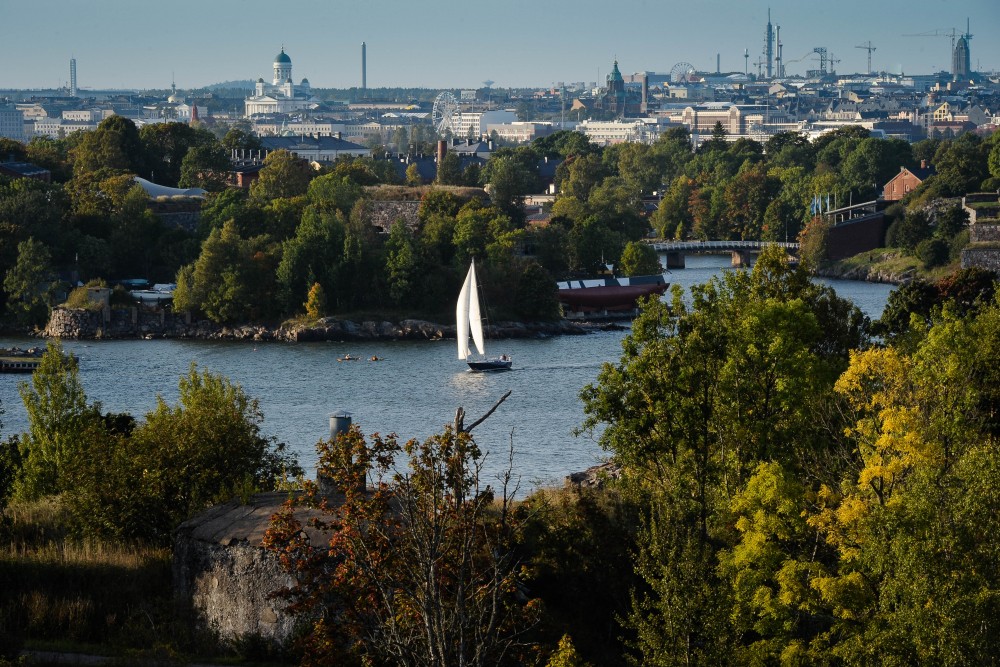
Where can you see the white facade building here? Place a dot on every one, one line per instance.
(478, 121)
(624, 130)
(281, 95)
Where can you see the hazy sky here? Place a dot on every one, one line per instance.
(456, 43)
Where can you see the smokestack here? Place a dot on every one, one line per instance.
(364, 66)
(718, 63)
(442, 150)
(777, 37)
(769, 45)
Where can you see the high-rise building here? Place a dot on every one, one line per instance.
(364, 66)
(72, 77)
(961, 61)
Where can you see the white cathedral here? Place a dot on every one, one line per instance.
(282, 95)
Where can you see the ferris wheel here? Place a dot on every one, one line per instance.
(443, 113)
(681, 73)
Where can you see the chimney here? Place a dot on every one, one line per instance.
(923, 164)
(442, 150)
(340, 423)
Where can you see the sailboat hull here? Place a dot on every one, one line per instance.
(489, 365)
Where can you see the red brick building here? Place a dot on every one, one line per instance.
(906, 181)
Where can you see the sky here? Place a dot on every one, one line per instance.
(462, 43)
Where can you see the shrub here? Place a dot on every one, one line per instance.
(933, 252)
(79, 299)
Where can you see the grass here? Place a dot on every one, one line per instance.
(89, 592)
(95, 597)
(895, 262)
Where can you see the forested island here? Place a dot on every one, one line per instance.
(302, 241)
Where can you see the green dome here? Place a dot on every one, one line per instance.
(615, 75)
(282, 58)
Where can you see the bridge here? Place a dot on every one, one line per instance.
(743, 252)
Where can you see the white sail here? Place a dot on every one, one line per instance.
(462, 314)
(475, 317)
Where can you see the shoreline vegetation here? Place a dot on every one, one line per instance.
(131, 324)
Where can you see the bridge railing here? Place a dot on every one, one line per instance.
(707, 246)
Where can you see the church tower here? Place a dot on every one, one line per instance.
(282, 68)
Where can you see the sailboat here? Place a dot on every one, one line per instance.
(469, 320)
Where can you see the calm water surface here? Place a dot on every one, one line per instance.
(414, 391)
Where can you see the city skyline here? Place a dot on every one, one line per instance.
(450, 45)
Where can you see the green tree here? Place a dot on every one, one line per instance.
(57, 417)
(167, 145)
(240, 137)
(313, 255)
(535, 294)
(115, 144)
(283, 176)
(449, 171)
(401, 263)
(229, 281)
(205, 166)
(140, 482)
(28, 283)
(511, 174)
(702, 395)
(639, 259)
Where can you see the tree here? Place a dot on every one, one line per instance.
(639, 259)
(115, 144)
(419, 567)
(401, 263)
(313, 255)
(205, 166)
(413, 177)
(168, 144)
(139, 482)
(283, 176)
(511, 174)
(57, 419)
(316, 302)
(449, 171)
(702, 395)
(28, 283)
(535, 294)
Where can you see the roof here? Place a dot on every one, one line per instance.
(304, 142)
(235, 522)
(154, 190)
(282, 58)
(23, 169)
(923, 172)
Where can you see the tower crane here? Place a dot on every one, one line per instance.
(869, 48)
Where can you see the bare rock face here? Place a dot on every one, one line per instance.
(222, 572)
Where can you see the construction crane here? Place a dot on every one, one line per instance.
(940, 32)
(869, 48)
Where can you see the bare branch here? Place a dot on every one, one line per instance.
(484, 417)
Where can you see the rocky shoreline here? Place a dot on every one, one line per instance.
(870, 274)
(132, 323)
